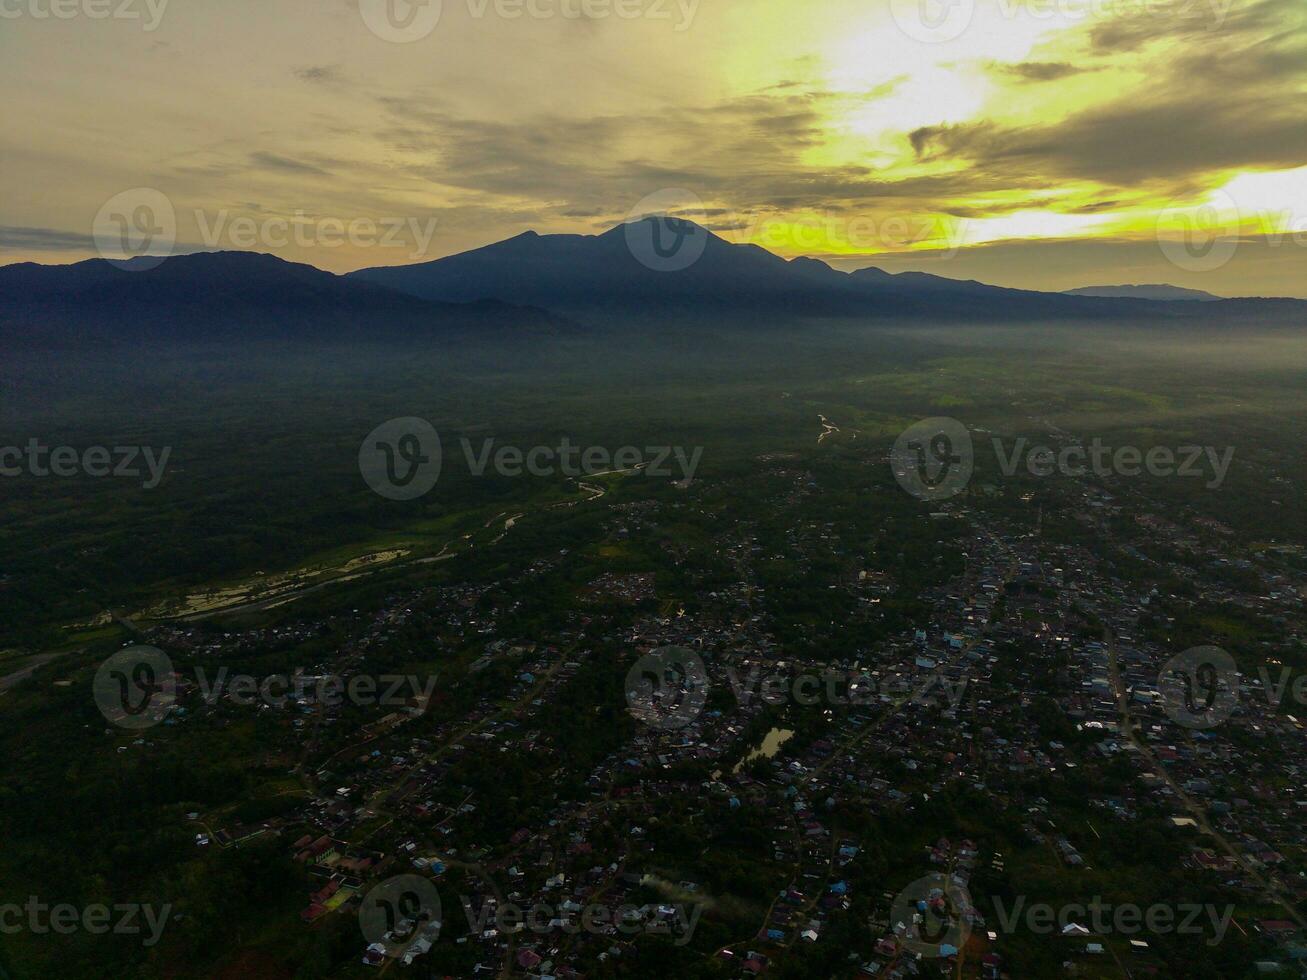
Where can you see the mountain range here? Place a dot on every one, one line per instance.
(530, 283)
(228, 296)
(1161, 291)
(588, 274)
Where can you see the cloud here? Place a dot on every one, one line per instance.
(1127, 143)
(271, 161)
(320, 74)
(1042, 71)
(1206, 22)
(43, 240)
(1215, 101)
(741, 155)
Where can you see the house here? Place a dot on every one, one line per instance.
(529, 959)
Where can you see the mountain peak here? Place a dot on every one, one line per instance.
(673, 221)
(808, 262)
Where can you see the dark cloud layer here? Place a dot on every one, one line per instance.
(272, 161)
(1041, 71)
(43, 240)
(1230, 99)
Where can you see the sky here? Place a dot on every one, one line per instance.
(1044, 144)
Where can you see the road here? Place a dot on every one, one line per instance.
(26, 671)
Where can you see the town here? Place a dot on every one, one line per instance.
(761, 803)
